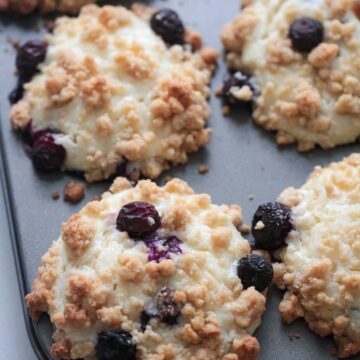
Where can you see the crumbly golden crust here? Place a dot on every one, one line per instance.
(44, 6)
(96, 278)
(116, 92)
(312, 99)
(321, 263)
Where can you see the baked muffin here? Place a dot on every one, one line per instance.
(114, 91)
(44, 6)
(303, 57)
(152, 272)
(320, 269)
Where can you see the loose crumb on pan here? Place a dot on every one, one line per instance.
(294, 336)
(251, 197)
(245, 229)
(97, 198)
(226, 110)
(203, 169)
(218, 91)
(74, 192)
(55, 195)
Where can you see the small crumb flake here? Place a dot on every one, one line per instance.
(203, 169)
(55, 195)
(251, 197)
(218, 91)
(294, 336)
(245, 229)
(74, 192)
(97, 198)
(226, 110)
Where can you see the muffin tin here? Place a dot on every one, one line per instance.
(245, 167)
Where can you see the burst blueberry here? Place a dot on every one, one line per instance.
(306, 33)
(164, 308)
(138, 219)
(168, 308)
(270, 225)
(161, 249)
(115, 345)
(46, 154)
(167, 24)
(254, 270)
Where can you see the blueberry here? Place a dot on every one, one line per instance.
(169, 310)
(138, 218)
(115, 345)
(233, 83)
(167, 24)
(254, 270)
(18, 92)
(270, 225)
(46, 154)
(306, 33)
(29, 56)
(163, 308)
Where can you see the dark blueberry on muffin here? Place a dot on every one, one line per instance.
(115, 345)
(255, 270)
(46, 154)
(306, 33)
(167, 24)
(270, 225)
(29, 56)
(138, 219)
(238, 89)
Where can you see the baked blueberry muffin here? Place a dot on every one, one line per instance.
(303, 57)
(320, 269)
(152, 272)
(114, 91)
(44, 6)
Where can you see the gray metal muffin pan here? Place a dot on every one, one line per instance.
(244, 163)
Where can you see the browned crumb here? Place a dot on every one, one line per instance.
(203, 169)
(294, 336)
(226, 110)
(209, 55)
(55, 195)
(218, 91)
(245, 3)
(74, 192)
(97, 198)
(356, 8)
(245, 229)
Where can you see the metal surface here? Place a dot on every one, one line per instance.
(243, 160)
